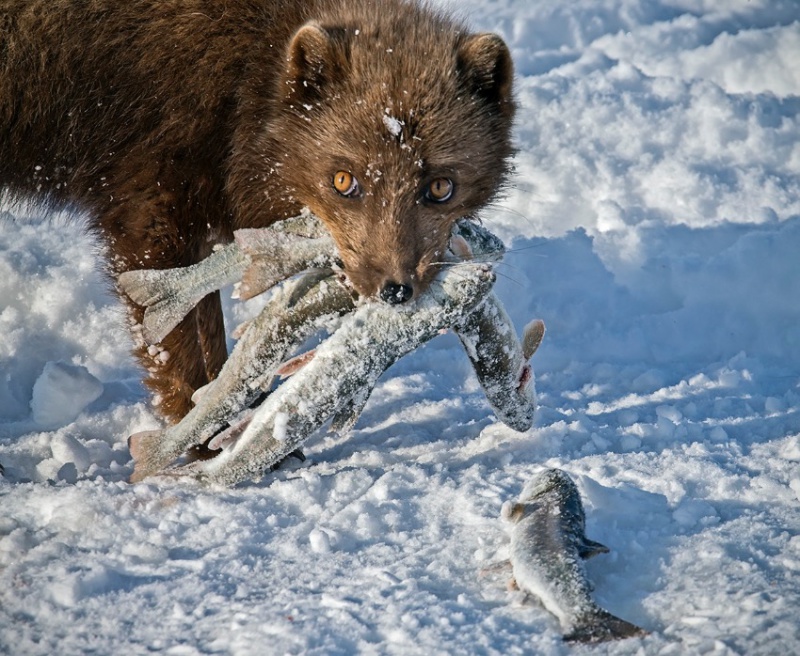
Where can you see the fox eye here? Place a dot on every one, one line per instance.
(346, 184)
(440, 190)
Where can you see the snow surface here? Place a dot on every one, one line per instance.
(654, 225)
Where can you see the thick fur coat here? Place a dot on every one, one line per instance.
(171, 123)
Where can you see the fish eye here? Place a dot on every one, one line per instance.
(440, 190)
(346, 184)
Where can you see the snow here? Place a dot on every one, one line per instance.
(61, 393)
(393, 125)
(653, 224)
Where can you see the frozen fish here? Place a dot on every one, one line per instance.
(347, 363)
(259, 258)
(548, 547)
(295, 311)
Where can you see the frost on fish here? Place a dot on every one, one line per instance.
(259, 258)
(345, 418)
(349, 362)
(263, 257)
(295, 311)
(484, 246)
(169, 295)
(548, 546)
(501, 362)
(276, 256)
(499, 358)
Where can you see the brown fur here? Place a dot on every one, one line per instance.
(174, 122)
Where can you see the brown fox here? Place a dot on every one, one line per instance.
(172, 123)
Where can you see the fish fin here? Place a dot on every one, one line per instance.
(460, 247)
(241, 329)
(231, 434)
(532, 337)
(512, 512)
(589, 548)
(254, 281)
(141, 445)
(602, 626)
(494, 568)
(200, 392)
(295, 364)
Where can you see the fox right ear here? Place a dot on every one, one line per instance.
(311, 60)
(485, 63)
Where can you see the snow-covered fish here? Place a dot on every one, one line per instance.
(548, 546)
(501, 362)
(347, 363)
(294, 312)
(482, 245)
(259, 258)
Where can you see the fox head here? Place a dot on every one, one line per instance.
(390, 131)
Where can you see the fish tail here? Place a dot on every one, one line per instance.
(602, 626)
(166, 295)
(146, 287)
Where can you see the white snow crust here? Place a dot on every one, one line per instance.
(654, 225)
(61, 393)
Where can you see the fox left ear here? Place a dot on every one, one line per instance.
(485, 63)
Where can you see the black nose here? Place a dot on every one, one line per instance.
(394, 293)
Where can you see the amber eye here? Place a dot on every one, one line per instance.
(345, 183)
(440, 190)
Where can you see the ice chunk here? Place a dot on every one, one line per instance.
(320, 542)
(61, 393)
(66, 449)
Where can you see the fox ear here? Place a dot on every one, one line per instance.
(485, 64)
(310, 60)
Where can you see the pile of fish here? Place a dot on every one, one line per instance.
(548, 547)
(297, 260)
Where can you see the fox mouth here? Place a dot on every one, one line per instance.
(392, 289)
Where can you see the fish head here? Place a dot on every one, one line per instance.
(547, 481)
